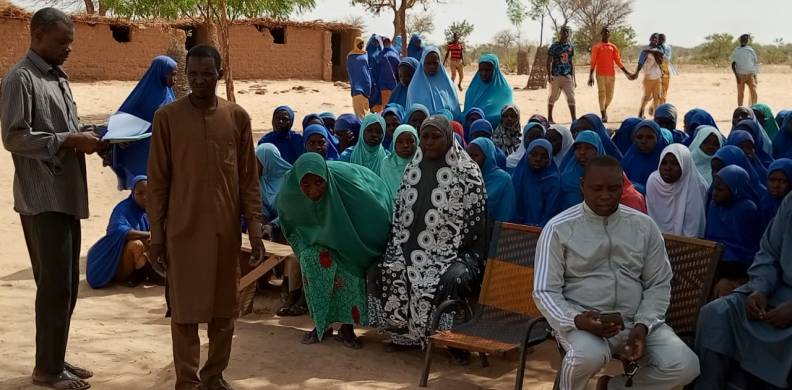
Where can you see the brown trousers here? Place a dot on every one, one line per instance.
(187, 352)
(750, 81)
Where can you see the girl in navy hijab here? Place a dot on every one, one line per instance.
(624, 136)
(288, 142)
(733, 221)
(594, 123)
(318, 140)
(643, 157)
(415, 47)
(666, 116)
(779, 184)
(782, 143)
(743, 140)
(759, 137)
(153, 91)
(347, 129)
(407, 68)
(732, 155)
(537, 185)
(693, 119)
(482, 128)
(120, 254)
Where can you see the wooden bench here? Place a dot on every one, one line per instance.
(276, 254)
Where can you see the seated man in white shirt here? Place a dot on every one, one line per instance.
(600, 257)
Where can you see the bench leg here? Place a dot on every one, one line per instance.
(518, 385)
(484, 360)
(427, 365)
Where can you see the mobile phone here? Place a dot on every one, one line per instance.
(611, 317)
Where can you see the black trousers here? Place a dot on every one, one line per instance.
(53, 242)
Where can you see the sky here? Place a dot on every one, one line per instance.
(685, 22)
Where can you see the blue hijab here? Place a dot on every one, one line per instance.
(289, 143)
(572, 171)
(490, 97)
(388, 69)
(538, 192)
(415, 47)
(332, 152)
(735, 225)
(759, 136)
(484, 127)
(434, 92)
(668, 112)
(607, 144)
(693, 120)
(103, 257)
(779, 118)
(623, 137)
(348, 122)
(394, 110)
(374, 51)
(399, 95)
(467, 122)
(500, 191)
(637, 165)
(273, 172)
(737, 138)
(150, 93)
(768, 206)
(732, 155)
(782, 143)
(359, 74)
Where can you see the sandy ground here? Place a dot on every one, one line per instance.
(121, 334)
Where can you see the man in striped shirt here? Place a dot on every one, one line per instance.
(456, 50)
(41, 129)
(603, 282)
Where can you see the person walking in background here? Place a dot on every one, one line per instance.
(41, 129)
(745, 66)
(603, 55)
(359, 78)
(667, 67)
(561, 73)
(456, 50)
(650, 59)
(388, 70)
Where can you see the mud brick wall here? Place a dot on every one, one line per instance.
(306, 53)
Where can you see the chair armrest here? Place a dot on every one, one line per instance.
(445, 306)
(536, 322)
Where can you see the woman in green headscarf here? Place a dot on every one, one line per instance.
(368, 151)
(403, 147)
(764, 115)
(336, 216)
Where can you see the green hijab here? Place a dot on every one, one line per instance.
(369, 156)
(392, 169)
(353, 217)
(770, 126)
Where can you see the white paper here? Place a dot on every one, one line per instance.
(126, 127)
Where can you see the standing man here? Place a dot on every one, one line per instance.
(603, 55)
(588, 262)
(745, 66)
(456, 49)
(667, 67)
(561, 73)
(202, 177)
(41, 129)
(650, 59)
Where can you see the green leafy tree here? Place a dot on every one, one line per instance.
(399, 9)
(462, 29)
(716, 49)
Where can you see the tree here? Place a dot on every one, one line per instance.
(504, 40)
(421, 24)
(593, 15)
(213, 13)
(399, 8)
(461, 29)
(716, 49)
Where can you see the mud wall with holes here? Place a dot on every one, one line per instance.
(99, 52)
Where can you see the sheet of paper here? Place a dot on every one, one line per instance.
(121, 140)
(123, 126)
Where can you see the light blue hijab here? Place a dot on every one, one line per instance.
(490, 97)
(434, 92)
(370, 157)
(272, 175)
(572, 171)
(500, 191)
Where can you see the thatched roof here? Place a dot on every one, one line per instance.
(14, 12)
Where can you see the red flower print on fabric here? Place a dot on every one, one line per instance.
(324, 259)
(355, 314)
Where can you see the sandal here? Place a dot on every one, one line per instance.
(65, 380)
(82, 373)
(347, 337)
(311, 337)
(291, 311)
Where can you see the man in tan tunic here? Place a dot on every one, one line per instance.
(202, 176)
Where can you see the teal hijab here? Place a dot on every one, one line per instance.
(392, 168)
(370, 157)
(500, 191)
(353, 217)
(490, 97)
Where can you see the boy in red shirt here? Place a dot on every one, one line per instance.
(456, 50)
